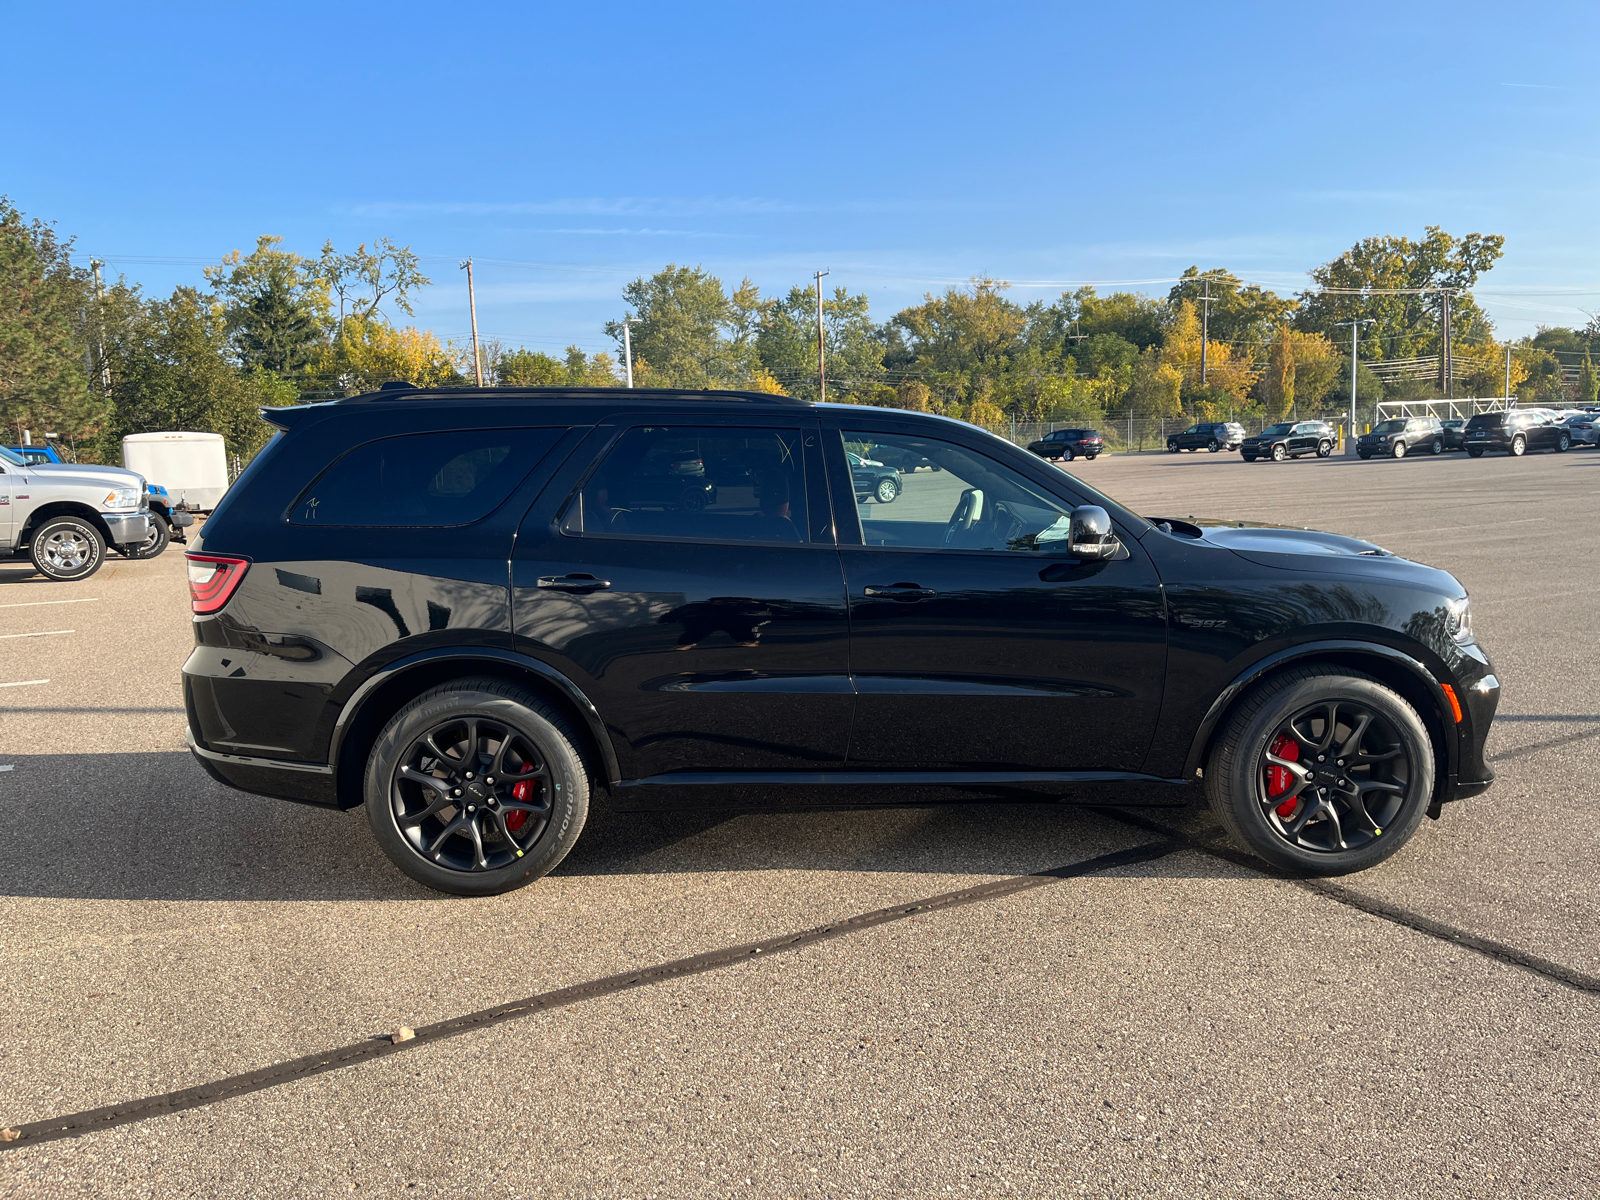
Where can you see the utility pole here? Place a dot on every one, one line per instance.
(1205, 328)
(1355, 337)
(822, 347)
(472, 303)
(99, 326)
(627, 345)
(1444, 356)
(1508, 377)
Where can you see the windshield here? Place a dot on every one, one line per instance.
(1389, 427)
(16, 460)
(1275, 430)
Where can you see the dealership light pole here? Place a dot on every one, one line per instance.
(1355, 337)
(627, 346)
(822, 348)
(472, 303)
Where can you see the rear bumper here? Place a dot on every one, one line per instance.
(304, 783)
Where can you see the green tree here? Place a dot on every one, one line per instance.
(688, 333)
(1245, 316)
(1135, 319)
(787, 344)
(44, 379)
(362, 280)
(966, 331)
(1588, 381)
(528, 368)
(275, 304)
(1361, 282)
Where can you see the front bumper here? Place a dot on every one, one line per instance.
(1478, 691)
(127, 527)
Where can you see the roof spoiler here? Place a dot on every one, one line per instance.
(287, 417)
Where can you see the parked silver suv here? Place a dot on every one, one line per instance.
(63, 516)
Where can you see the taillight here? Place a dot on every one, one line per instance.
(212, 580)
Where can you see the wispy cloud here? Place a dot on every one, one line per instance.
(618, 206)
(1543, 87)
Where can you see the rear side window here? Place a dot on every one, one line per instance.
(696, 483)
(424, 480)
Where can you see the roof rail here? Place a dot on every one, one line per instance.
(407, 391)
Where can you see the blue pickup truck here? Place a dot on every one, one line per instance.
(167, 523)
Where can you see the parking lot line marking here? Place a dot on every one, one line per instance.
(24, 683)
(41, 633)
(1372, 906)
(93, 1120)
(42, 603)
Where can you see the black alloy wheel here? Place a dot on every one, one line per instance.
(1438, 445)
(1519, 446)
(64, 549)
(154, 543)
(476, 787)
(1280, 452)
(1399, 448)
(1322, 770)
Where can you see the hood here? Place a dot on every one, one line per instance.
(1292, 549)
(115, 476)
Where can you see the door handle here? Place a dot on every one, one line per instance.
(573, 583)
(898, 591)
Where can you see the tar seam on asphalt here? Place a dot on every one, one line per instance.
(1487, 947)
(93, 1120)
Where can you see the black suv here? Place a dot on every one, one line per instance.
(1279, 442)
(1399, 436)
(1222, 435)
(474, 610)
(1067, 444)
(1514, 432)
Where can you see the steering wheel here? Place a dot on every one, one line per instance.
(970, 510)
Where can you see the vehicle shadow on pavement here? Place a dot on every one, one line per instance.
(153, 826)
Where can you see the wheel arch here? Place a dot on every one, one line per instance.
(1394, 668)
(383, 694)
(63, 508)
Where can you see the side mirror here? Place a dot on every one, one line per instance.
(1090, 533)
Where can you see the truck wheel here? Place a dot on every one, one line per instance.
(1321, 771)
(477, 787)
(67, 548)
(155, 541)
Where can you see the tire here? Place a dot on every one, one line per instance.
(67, 548)
(511, 856)
(1398, 450)
(1563, 443)
(1172, 447)
(1214, 446)
(886, 490)
(1068, 455)
(1438, 445)
(1090, 457)
(1280, 452)
(159, 538)
(1519, 446)
(1474, 453)
(1324, 449)
(1240, 781)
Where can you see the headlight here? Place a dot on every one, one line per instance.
(1459, 621)
(122, 498)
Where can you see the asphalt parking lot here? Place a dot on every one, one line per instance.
(1177, 1022)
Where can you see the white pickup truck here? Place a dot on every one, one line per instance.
(63, 517)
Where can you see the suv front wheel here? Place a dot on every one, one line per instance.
(476, 787)
(1322, 771)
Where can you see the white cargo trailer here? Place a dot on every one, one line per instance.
(193, 467)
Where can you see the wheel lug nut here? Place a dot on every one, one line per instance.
(488, 778)
(1321, 757)
(456, 792)
(469, 774)
(1340, 762)
(472, 808)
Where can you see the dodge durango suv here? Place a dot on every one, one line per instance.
(472, 612)
(1212, 436)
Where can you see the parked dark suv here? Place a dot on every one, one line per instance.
(1399, 436)
(1213, 436)
(1514, 432)
(1279, 442)
(1067, 444)
(473, 610)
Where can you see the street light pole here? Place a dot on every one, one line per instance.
(472, 303)
(1355, 337)
(822, 348)
(627, 345)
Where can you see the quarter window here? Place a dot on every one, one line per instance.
(702, 484)
(427, 480)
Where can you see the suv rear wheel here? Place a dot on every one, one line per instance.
(67, 548)
(1322, 771)
(476, 787)
(1438, 445)
(1213, 445)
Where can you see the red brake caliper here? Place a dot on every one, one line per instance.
(1281, 779)
(524, 792)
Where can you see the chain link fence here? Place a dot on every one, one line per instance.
(1124, 435)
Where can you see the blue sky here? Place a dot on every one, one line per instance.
(901, 146)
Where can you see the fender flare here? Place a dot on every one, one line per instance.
(1272, 662)
(483, 654)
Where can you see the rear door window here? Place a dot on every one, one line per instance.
(424, 480)
(696, 483)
